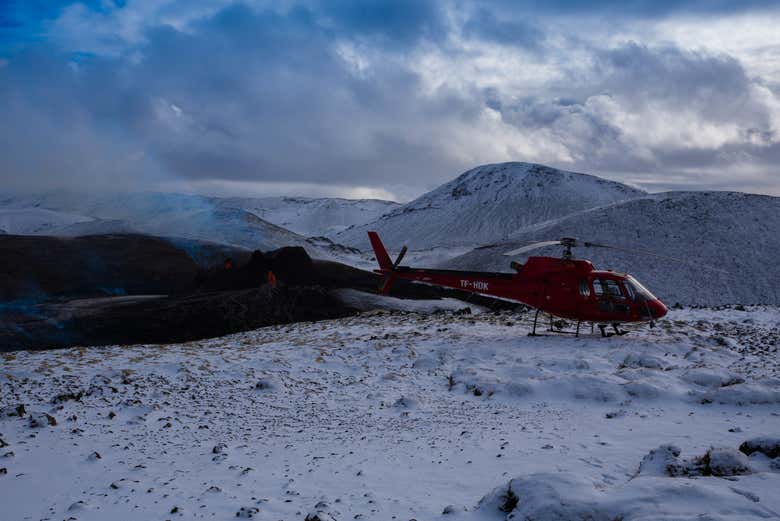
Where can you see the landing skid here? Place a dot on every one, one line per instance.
(552, 331)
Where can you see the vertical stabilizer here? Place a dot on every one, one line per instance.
(380, 252)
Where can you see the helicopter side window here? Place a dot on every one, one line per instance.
(598, 288)
(584, 288)
(613, 288)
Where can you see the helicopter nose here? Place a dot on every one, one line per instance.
(657, 309)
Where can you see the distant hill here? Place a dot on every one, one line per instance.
(488, 204)
(34, 221)
(233, 221)
(731, 231)
(312, 217)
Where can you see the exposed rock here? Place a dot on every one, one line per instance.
(770, 447)
(78, 505)
(725, 462)
(319, 516)
(661, 462)
(13, 410)
(717, 461)
(264, 385)
(42, 419)
(247, 512)
(68, 396)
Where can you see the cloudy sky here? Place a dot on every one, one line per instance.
(385, 99)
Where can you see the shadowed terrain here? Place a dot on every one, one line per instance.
(122, 289)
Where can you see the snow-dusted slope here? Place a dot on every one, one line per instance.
(399, 416)
(487, 204)
(312, 217)
(731, 231)
(227, 226)
(94, 227)
(171, 215)
(36, 221)
(264, 223)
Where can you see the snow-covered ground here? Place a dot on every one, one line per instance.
(401, 415)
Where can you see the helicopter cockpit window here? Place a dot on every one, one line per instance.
(629, 290)
(584, 288)
(642, 293)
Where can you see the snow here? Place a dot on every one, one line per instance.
(399, 414)
(32, 221)
(313, 216)
(169, 215)
(254, 223)
(93, 227)
(734, 233)
(236, 222)
(487, 204)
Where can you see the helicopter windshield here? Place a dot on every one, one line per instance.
(640, 292)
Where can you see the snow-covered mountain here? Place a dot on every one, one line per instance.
(731, 231)
(232, 221)
(312, 217)
(488, 204)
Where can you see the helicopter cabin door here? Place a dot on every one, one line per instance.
(611, 298)
(560, 295)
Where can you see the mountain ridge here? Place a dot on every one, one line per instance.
(730, 231)
(479, 206)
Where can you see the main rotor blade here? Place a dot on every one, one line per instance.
(530, 247)
(645, 252)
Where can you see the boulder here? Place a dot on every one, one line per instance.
(41, 419)
(768, 446)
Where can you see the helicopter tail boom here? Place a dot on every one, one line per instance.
(501, 285)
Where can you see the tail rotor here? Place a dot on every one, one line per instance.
(386, 266)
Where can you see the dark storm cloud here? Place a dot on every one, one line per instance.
(342, 93)
(242, 95)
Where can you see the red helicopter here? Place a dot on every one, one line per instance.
(564, 287)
